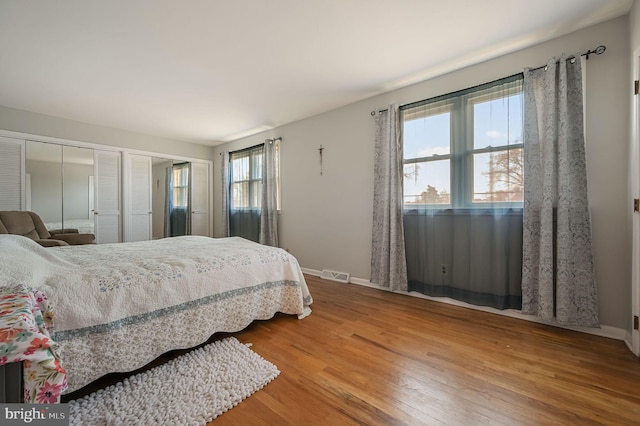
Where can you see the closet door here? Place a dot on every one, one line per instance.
(107, 196)
(138, 208)
(77, 188)
(200, 199)
(43, 168)
(11, 174)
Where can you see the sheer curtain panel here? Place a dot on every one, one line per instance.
(388, 262)
(558, 283)
(463, 194)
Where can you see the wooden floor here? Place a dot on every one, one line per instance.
(366, 356)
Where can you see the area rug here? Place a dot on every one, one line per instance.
(192, 389)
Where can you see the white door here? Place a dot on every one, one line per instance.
(138, 208)
(107, 196)
(200, 199)
(11, 174)
(634, 170)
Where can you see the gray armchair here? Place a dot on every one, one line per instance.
(29, 224)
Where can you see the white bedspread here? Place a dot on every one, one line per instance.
(119, 306)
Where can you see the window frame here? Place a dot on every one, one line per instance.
(447, 107)
(180, 191)
(252, 181)
(462, 149)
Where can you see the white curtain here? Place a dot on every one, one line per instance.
(388, 262)
(224, 167)
(269, 204)
(558, 283)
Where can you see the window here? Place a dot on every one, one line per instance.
(180, 185)
(246, 178)
(245, 169)
(465, 149)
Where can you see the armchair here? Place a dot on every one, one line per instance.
(29, 224)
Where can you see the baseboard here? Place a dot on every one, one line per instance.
(603, 331)
(629, 341)
(313, 272)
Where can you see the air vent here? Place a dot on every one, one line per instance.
(342, 277)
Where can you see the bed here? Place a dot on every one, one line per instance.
(119, 306)
(83, 226)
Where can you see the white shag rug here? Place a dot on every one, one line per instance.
(192, 389)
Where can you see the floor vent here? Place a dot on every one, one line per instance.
(342, 277)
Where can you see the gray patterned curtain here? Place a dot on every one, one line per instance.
(269, 204)
(558, 283)
(168, 201)
(388, 261)
(224, 167)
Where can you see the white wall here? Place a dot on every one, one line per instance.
(44, 125)
(634, 20)
(326, 220)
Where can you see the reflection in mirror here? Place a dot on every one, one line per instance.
(77, 187)
(43, 167)
(171, 215)
(159, 194)
(177, 216)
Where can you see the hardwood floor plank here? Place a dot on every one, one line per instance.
(366, 356)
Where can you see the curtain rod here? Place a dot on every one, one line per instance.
(278, 139)
(597, 51)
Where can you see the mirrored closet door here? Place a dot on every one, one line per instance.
(65, 185)
(43, 167)
(60, 185)
(114, 195)
(77, 189)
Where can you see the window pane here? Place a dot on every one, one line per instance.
(498, 176)
(179, 196)
(240, 169)
(498, 122)
(256, 167)
(256, 194)
(240, 195)
(426, 136)
(428, 182)
(180, 176)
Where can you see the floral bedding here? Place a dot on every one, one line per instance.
(119, 306)
(25, 316)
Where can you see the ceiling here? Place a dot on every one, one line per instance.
(210, 71)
